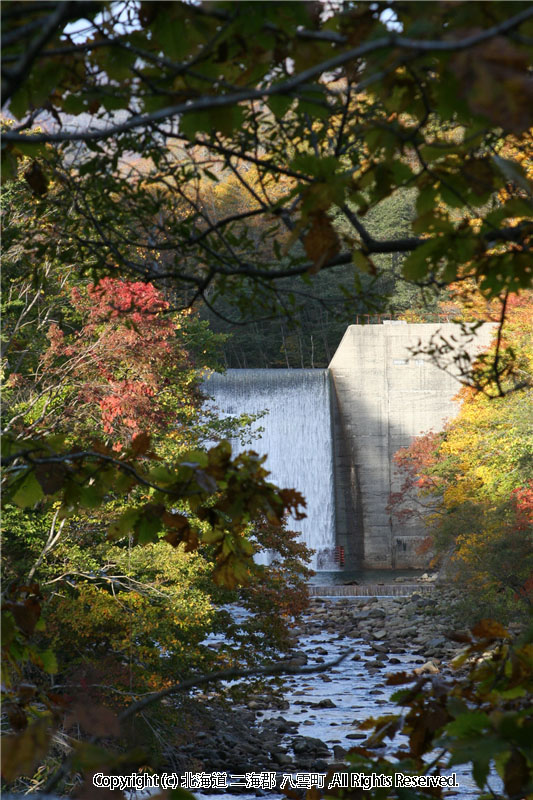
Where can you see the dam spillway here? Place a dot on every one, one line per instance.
(296, 438)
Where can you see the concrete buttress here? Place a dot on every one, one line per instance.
(384, 395)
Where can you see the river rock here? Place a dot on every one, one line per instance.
(326, 703)
(283, 759)
(237, 741)
(308, 745)
(428, 667)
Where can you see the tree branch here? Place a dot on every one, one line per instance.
(25, 455)
(288, 86)
(281, 668)
(63, 12)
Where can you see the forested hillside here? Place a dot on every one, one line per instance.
(307, 329)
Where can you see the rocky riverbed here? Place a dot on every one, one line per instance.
(308, 723)
(314, 721)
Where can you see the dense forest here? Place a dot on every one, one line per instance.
(194, 186)
(308, 336)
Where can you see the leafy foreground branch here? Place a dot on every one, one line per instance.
(226, 493)
(283, 668)
(481, 717)
(105, 448)
(110, 725)
(221, 150)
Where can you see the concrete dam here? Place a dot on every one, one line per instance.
(332, 434)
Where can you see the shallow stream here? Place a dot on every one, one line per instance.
(356, 690)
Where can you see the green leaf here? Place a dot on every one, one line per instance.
(161, 475)
(173, 34)
(399, 99)
(279, 104)
(9, 165)
(31, 148)
(74, 104)
(400, 695)
(8, 629)
(362, 261)
(112, 102)
(477, 749)
(401, 172)
(317, 109)
(49, 661)
(451, 195)
(456, 706)
(480, 771)
(512, 208)
(468, 723)
(90, 497)
(192, 123)
(29, 492)
(147, 529)
(212, 536)
(195, 458)
(426, 200)
(324, 169)
(210, 175)
(422, 260)
(124, 524)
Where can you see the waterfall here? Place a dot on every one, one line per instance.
(296, 438)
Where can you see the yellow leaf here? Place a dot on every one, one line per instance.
(21, 753)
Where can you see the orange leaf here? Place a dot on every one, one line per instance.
(490, 629)
(36, 179)
(321, 242)
(140, 443)
(496, 82)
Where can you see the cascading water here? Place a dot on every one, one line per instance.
(296, 438)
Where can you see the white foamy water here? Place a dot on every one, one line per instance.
(297, 440)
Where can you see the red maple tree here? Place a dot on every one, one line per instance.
(126, 366)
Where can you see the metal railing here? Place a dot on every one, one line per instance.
(379, 319)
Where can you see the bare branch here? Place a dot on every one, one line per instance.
(281, 668)
(51, 541)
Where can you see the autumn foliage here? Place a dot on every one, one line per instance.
(117, 386)
(123, 360)
(217, 150)
(473, 484)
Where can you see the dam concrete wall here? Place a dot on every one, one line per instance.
(384, 396)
